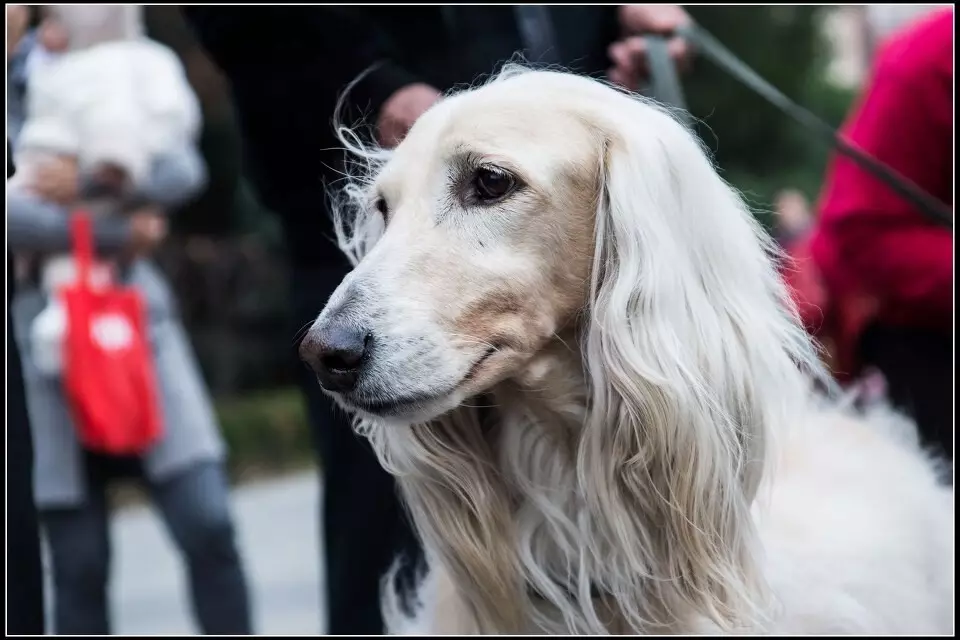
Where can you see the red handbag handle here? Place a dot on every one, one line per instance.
(82, 235)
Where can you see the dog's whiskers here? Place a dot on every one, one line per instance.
(298, 336)
(465, 339)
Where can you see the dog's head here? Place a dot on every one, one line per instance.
(506, 212)
(487, 213)
(543, 201)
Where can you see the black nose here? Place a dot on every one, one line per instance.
(335, 353)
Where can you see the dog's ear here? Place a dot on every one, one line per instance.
(692, 350)
(357, 223)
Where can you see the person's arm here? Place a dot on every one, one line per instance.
(174, 179)
(34, 225)
(891, 248)
(37, 225)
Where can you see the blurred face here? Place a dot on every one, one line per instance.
(489, 209)
(53, 36)
(83, 26)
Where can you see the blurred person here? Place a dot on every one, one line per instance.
(286, 88)
(25, 601)
(792, 226)
(104, 97)
(101, 104)
(185, 469)
(886, 269)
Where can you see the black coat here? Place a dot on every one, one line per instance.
(289, 65)
(24, 571)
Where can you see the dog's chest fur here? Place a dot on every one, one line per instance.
(536, 443)
(535, 427)
(537, 438)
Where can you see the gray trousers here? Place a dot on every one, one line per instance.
(194, 504)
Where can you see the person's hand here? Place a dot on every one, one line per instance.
(402, 109)
(110, 178)
(57, 179)
(18, 20)
(793, 212)
(629, 55)
(148, 228)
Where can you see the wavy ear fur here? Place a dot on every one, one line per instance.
(691, 350)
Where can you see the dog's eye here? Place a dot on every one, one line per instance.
(491, 185)
(382, 207)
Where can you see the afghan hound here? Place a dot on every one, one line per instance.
(567, 337)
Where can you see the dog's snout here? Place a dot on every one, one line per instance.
(335, 353)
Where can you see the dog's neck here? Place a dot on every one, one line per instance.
(541, 414)
(502, 507)
(497, 503)
(550, 390)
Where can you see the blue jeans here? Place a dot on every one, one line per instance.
(195, 507)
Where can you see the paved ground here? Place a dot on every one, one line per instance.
(278, 532)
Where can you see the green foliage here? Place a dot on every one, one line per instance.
(265, 431)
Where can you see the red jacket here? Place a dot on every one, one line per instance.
(880, 259)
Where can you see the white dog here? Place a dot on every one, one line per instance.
(567, 337)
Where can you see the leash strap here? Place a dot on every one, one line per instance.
(82, 237)
(665, 84)
(537, 33)
(665, 87)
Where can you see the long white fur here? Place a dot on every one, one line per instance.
(670, 452)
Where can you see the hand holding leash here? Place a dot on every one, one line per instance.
(631, 55)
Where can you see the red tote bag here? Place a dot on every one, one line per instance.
(109, 375)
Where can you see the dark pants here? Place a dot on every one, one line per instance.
(24, 568)
(195, 507)
(364, 523)
(918, 367)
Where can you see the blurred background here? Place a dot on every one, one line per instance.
(226, 260)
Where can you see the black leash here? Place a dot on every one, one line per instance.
(537, 33)
(665, 87)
